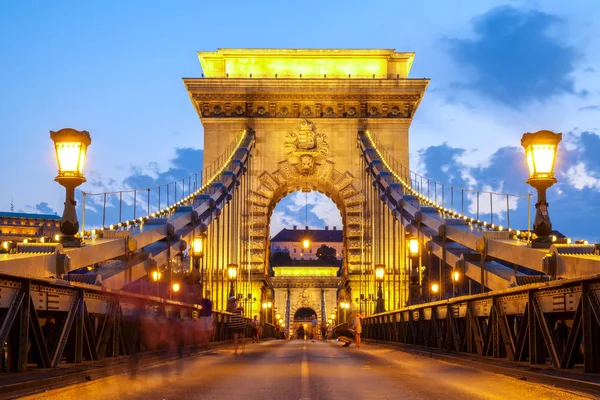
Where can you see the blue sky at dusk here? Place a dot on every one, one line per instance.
(497, 69)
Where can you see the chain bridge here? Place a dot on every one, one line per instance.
(428, 265)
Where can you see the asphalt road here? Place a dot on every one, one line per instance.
(304, 370)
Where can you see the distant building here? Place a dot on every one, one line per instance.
(292, 241)
(20, 226)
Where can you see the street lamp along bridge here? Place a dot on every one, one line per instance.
(313, 126)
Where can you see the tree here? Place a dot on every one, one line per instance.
(327, 254)
(280, 258)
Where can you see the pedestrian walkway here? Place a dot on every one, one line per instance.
(303, 370)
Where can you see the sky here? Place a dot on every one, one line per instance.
(497, 69)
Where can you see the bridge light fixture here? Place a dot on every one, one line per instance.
(379, 272)
(379, 276)
(435, 288)
(413, 247)
(56, 237)
(456, 276)
(176, 287)
(71, 149)
(306, 243)
(269, 304)
(198, 246)
(264, 305)
(156, 276)
(232, 275)
(540, 151)
(5, 245)
(278, 316)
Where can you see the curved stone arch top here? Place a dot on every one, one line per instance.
(315, 307)
(342, 188)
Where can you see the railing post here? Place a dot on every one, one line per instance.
(507, 211)
(104, 212)
(148, 201)
(134, 204)
(120, 206)
(491, 209)
(83, 215)
(478, 205)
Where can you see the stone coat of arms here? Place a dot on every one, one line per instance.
(306, 147)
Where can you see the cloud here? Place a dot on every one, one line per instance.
(299, 209)
(131, 198)
(44, 208)
(590, 108)
(513, 59)
(573, 200)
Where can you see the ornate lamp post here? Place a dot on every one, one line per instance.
(232, 275)
(540, 149)
(413, 255)
(71, 149)
(379, 276)
(198, 256)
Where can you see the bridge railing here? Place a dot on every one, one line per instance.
(459, 202)
(92, 323)
(556, 322)
(125, 207)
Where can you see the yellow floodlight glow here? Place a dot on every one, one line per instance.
(306, 243)
(413, 247)
(435, 288)
(156, 276)
(176, 287)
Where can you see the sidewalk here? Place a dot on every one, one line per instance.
(574, 379)
(37, 380)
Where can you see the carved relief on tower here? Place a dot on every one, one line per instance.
(306, 148)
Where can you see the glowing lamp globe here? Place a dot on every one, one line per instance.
(306, 243)
(456, 276)
(232, 271)
(413, 247)
(435, 288)
(198, 246)
(540, 150)
(176, 287)
(71, 149)
(379, 272)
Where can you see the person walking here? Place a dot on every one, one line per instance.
(206, 320)
(356, 326)
(314, 328)
(255, 323)
(237, 324)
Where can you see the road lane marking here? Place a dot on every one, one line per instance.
(304, 375)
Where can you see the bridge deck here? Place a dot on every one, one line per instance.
(305, 370)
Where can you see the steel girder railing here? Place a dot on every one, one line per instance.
(483, 253)
(91, 323)
(556, 322)
(135, 248)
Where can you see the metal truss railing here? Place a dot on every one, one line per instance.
(159, 201)
(450, 199)
(93, 324)
(556, 322)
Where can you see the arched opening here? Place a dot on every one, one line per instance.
(302, 223)
(304, 314)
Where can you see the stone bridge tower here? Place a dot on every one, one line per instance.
(306, 108)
